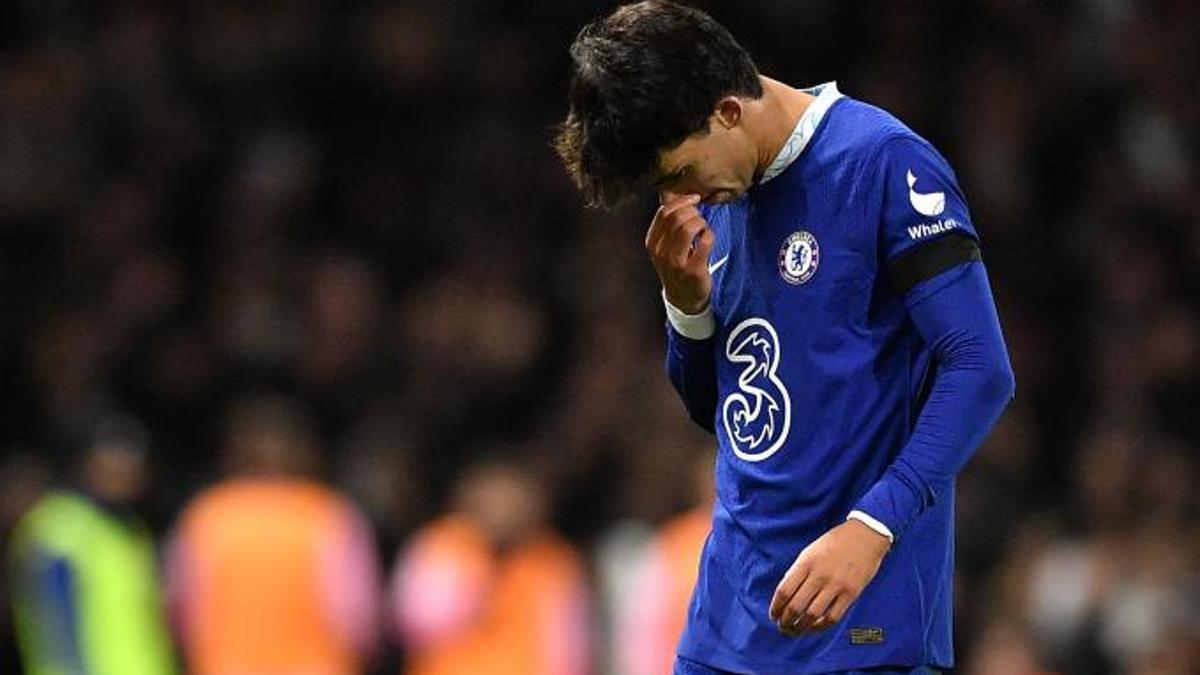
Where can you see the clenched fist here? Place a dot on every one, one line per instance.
(679, 242)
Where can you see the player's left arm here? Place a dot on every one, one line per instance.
(950, 302)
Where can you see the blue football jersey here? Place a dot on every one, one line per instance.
(820, 378)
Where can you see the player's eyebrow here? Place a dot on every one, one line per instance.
(667, 177)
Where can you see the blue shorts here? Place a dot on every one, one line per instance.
(687, 667)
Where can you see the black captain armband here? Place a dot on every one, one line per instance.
(929, 260)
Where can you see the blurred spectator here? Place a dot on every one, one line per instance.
(86, 593)
(656, 610)
(381, 467)
(488, 588)
(270, 571)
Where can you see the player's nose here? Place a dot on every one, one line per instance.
(667, 196)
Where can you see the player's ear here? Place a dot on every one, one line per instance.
(728, 112)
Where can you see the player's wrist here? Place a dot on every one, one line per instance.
(870, 542)
(689, 306)
(871, 524)
(697, 325)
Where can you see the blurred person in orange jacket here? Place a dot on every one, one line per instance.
(271, 571)
(646, 637)
(489, 588)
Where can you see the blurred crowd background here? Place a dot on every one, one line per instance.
(296, 301)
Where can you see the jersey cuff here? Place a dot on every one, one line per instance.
(872, 523)
(695, 326)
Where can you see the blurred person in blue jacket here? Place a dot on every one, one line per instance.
(86, 597)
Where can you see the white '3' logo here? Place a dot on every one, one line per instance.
(931, 204)
(757, 416)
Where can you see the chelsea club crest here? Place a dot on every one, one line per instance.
(799, 257)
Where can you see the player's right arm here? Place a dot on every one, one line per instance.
(679, 242)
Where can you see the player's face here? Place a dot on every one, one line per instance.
(718, 165)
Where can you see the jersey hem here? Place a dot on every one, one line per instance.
(721, 659)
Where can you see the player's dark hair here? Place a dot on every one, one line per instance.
(645, 78)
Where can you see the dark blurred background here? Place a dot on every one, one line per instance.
(354, 206)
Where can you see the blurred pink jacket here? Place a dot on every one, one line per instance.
(461, 608)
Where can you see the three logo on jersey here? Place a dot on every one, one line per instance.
(759, 414)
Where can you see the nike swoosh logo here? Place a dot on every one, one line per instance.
(931, 204)
(717, 265)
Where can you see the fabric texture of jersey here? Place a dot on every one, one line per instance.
(819, 377)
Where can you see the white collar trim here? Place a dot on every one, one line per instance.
(825, 95)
